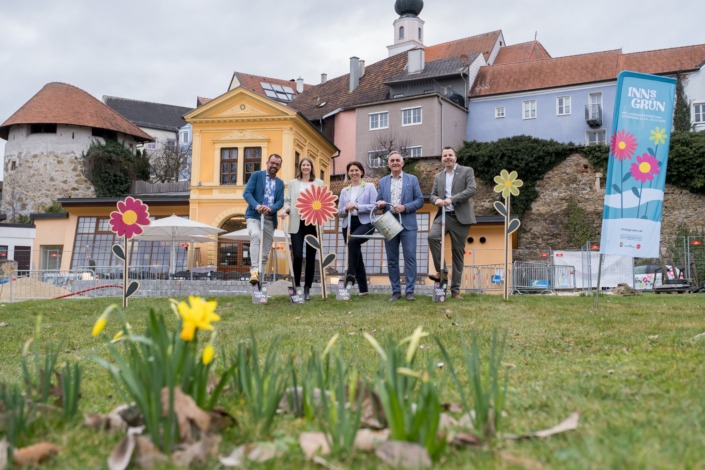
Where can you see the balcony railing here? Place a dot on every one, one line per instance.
(593, 115)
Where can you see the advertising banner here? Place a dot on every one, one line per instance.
(636, 172)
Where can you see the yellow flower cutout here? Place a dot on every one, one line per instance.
(658, 136)
(197, 314)
(507, 183)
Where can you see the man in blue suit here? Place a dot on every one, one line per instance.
(400, 193)
(264, 194)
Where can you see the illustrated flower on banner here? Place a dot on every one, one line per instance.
(658, 136)
(622, 145)
(507, 183)
(197, 314)
(316, 205)
(128, 220)
(645, 168)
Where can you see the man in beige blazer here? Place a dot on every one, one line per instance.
(452, 189)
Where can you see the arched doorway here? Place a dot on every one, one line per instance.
(234, 255)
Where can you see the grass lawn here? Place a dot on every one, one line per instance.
(632, 369)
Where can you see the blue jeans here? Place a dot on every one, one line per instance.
(407, 238)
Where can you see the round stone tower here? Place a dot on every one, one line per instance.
(46, 139)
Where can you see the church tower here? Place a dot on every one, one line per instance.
(408, 28)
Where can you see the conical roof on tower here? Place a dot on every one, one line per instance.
(60, 103)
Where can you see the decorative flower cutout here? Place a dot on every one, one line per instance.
(197, 314)
(658, 136)
(316, 205)
(622, 145)
(128, 220)
(507, 183)
(645, 168)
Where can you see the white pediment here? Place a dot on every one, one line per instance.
(243, 109)
(240, 136)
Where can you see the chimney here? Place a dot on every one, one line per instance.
(362, 68)
(415, 62)
(299, 85)
(324, 78)
(354, 73)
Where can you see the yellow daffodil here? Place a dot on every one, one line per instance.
(414, 340)
(208, 354)
(118, 335)
(197, 314)
(102, 320)
(658, 135)
(507, 183)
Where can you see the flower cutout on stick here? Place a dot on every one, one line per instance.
(131, 216)
(316, 205)
(645, 168)
(622, 145)
(507, 183)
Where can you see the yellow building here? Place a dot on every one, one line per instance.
(232, 137)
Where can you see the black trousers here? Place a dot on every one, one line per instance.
(297, 251)
(356, 266)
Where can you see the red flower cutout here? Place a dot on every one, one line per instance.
(645, 168)
(316, 205)
(128, 220)
(622, 145)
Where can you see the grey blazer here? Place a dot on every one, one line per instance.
(461, 192)
(293, 191)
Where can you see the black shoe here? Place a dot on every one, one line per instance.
(349, 280)
(307, 293)
(395, 296)
(410, 297)
(438, 277)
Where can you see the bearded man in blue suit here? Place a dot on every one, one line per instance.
(400, 194)
(264, 194)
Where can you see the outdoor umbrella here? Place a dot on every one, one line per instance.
(242, 235)
(176, 229)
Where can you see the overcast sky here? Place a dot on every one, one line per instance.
(172, 51)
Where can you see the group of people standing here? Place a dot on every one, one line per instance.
(398, 193)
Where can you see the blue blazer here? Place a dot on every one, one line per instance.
(411, 197)
(254, 195)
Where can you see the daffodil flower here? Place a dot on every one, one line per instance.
(208, 354)
(197, 314)
(102, 321)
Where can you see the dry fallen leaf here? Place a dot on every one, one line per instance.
(220, 419)
(236, 458)
(197, 452)
(369, 440)
(3, 453)
(186, 412)
(465, 439)
(121, 455)
(569, 424)
(147, 455)
(313, 443)
(403, 455)
(4, 324)
(317, 459)
(262, 451)
(34, 454)
(525, 463)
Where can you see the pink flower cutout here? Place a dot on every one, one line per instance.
(128, 220)
(622, 145)
(645, 168)
(316, 205)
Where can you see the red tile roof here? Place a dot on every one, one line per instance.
(482, 43)
(60, 103)
(322, 99)
(523, 52)
(252, 82)
(584, 68)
